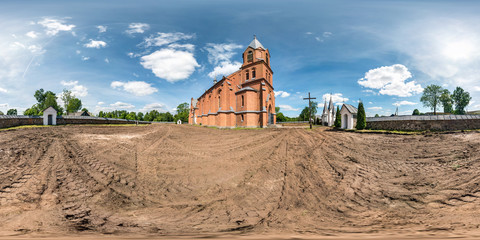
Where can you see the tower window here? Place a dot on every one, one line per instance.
(243, 101)
(247, 75)
(267, 59)
(253, 73)
(250, 56)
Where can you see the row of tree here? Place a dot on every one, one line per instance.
(47, 99)
(435, 96)
(152, 116)
(11, 111)
(73, 104)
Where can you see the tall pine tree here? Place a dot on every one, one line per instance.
(361, 119)
(338, 118)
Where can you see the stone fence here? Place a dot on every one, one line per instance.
(19, 120)
(425, 122)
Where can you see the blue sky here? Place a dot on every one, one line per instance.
(145, 55)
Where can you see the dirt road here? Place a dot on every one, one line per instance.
(187, 180)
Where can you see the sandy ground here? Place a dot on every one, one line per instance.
(169, 181)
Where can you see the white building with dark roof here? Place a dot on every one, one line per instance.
(349, 116)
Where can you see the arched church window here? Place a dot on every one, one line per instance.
(219, 98)
(242, 117)
(243, 101)
(253, 73)
(267, 59)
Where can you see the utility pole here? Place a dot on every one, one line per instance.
(309, 108)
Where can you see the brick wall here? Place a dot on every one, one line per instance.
(13, 121)
(435, 123)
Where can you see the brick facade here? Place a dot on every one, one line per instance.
(245, 98)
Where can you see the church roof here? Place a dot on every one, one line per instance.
(350, 108)
(256, 44)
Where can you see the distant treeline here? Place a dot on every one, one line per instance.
(152, 116)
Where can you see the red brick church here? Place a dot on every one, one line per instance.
(245, 98)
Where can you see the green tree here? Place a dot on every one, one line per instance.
(140, 116)
(131, 116)
(431, 97)
(308, 112)
(71, 103)
(376, 115)
(461, 99)
(1, 113)
(447, 101)
(33, 111)
(361, 119)
(281, 117)
(51, 101)
(182, 112)
(84, 110)
(12, 112)
(45, 100)
(338, 118)
(277, 109)
(74, 105)
(169, 117)
(416, 112)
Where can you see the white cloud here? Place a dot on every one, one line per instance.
(4, 105)
(78, 51)
(95, 44)
(162, 39)
(224, 69)
(282, 94)
(160, 107)
(309, 33)
(122, 105)
(137, 28)
(188, 47)
(375, 108)
(169, 64)
(337, 98)
(327, 34)
(85, 58)
(391, 81)
(137, 88)
(400, 103)
(106, 60)
(221, 52)
(75, 88)
(287, 108)
(3, 90)
(100, 103)
(32, 34)
(53, 26)
(101, 28)
(221, 55)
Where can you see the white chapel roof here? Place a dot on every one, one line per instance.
(256, 44)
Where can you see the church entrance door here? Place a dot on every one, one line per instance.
(345, 121)
(270, 115)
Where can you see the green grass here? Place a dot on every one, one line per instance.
(24, 126)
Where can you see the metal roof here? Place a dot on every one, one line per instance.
(350, 108)
(256, 44)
